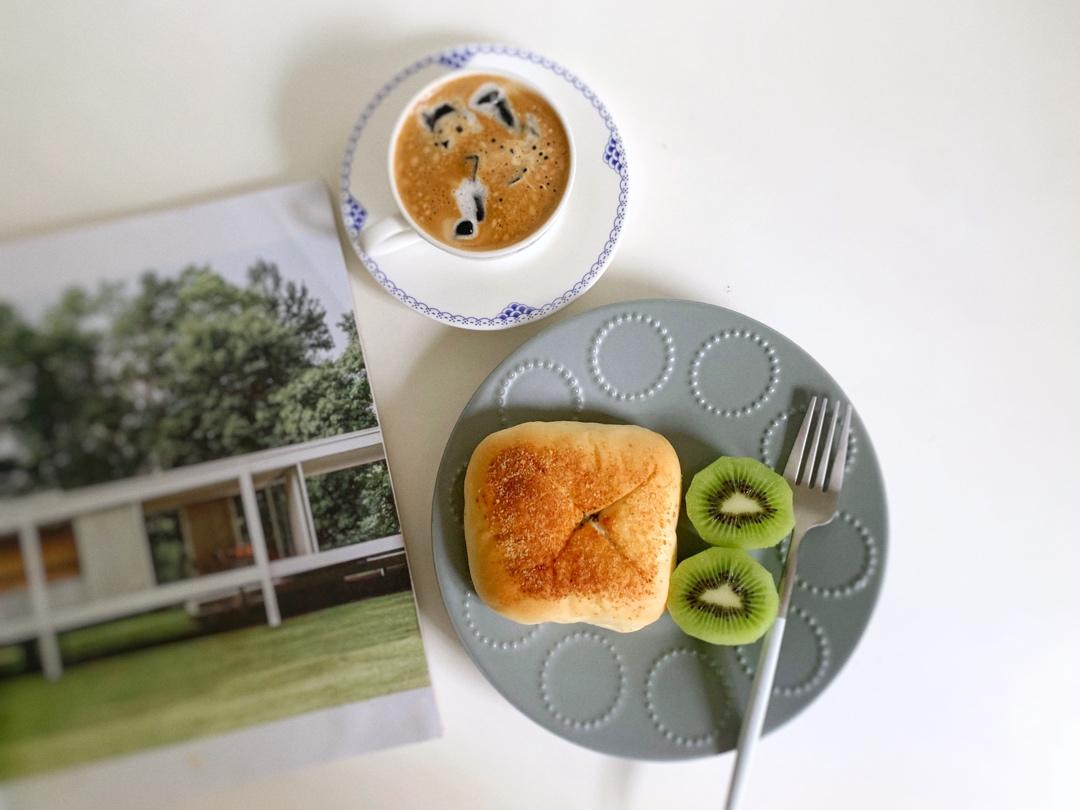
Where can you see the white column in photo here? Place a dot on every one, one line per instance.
(34, 566)
(258, 547)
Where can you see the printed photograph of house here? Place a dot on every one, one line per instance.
(197, 526)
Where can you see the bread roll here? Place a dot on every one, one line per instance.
(573, 522)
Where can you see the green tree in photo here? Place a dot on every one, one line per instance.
(63, 412)
(179, 370)
(206, 356)
(333, 397)
(335, 496)
(320, 402)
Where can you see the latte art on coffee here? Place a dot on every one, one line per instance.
(481, 162)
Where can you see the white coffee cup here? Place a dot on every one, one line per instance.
(399, 230)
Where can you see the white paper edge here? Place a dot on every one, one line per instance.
(155, 776)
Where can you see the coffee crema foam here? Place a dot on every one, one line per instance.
(481, 162)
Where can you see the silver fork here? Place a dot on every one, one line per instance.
(815, 505)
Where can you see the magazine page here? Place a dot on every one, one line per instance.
(202, 574)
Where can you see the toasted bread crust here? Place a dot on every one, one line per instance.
(573, 522)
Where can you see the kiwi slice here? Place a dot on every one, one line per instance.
(723, 596)
(740, 503)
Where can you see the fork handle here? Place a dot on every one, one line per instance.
(757, 707)
(760, 691)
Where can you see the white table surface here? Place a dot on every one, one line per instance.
(893, 185)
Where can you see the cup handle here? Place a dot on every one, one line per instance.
(387, 236)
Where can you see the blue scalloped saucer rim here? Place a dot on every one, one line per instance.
(354, 214)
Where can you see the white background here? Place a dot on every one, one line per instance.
(894, 185)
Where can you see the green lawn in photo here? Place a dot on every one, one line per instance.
(131, 632)
(209, 685)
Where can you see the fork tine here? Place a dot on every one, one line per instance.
(794, 459)
(836, 480)
(819, 480)
(808, 470)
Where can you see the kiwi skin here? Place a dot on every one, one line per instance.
(746, 480)
(723, 596)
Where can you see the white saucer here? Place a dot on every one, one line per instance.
(525, 286)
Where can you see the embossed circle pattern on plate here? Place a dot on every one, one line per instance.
(832, 547)
(723, 356)
(583, 680)
(676, 712)
(491, 629)
(525, 368)
(808, 682)
(647, 336)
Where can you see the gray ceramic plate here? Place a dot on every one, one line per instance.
(714, 383)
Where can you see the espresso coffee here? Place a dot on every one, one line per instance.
(481, 162)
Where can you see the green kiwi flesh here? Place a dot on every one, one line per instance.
(723, 596)
(740, 503)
